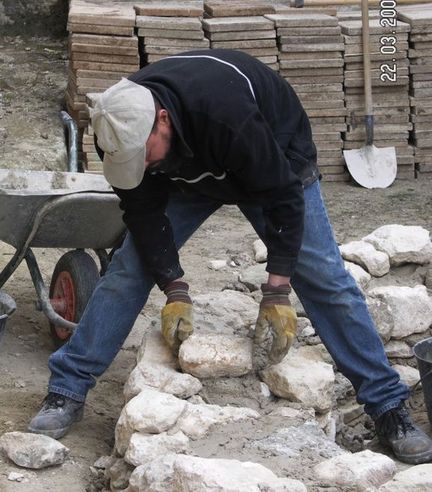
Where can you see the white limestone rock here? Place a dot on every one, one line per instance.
(155, 476)
(33, 450)
(361, 471)
(197, 420)
(361, 276)
(228, 311)
(181, 473)
(414, 479)
(222, 475)
(153, 349)
(364, 254)
(382, 316)
(403, 244)
(301, 379)
(254, 276)
(157, 368)
(399, 349)
(161, 378)
(149, 412)
(260, 251)
(411, 308)
(216, 355)
(292, 441)
(217, 264)
(146, 447)
(409, 375)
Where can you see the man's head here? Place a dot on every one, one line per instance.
(132, 130)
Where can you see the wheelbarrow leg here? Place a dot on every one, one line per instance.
(43, 296)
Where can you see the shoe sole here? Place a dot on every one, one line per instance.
(58, 433)
(415, 460)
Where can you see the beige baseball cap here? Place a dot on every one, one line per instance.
(122, 120)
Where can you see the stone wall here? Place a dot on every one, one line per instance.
(33, 17)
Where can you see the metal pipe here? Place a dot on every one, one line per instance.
(72, 140)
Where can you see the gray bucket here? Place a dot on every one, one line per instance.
(7, 307)
(423, 353)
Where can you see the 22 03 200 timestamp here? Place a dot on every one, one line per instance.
(388, 43)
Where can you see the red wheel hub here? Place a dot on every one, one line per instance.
(64, 301)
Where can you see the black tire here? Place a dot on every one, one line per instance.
(73, 280)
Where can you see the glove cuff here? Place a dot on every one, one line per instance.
(275, 295)
(177, 291)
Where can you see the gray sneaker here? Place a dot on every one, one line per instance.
(409, 443)
(57, 414)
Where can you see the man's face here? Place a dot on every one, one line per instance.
(159, 142)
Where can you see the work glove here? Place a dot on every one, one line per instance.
(176, 316)
(277, 320)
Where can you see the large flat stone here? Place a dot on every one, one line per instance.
(218, 355)
(362, 471)
(410, 307)
(403, 244)
(301, 379)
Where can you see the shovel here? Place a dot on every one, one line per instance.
(370, 166)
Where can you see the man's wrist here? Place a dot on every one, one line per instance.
(177, 291)
(275, 280)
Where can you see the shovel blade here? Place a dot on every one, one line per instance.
(372, 167)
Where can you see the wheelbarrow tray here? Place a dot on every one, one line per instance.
(79, 210)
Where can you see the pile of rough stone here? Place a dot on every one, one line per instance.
(172, 436)
(209, 420)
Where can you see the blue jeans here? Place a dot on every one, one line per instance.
(329, 294)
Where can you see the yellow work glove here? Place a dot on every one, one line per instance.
(276, 319)
(176, 316)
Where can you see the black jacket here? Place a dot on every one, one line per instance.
(243, 137)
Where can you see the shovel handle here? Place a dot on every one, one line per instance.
(369, 120)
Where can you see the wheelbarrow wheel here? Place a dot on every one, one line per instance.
(72, 283)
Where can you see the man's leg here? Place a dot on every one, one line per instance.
(339, 314)
(112, 310)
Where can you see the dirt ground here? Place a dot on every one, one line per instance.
(32, 81)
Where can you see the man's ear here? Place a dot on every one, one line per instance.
(163, 118)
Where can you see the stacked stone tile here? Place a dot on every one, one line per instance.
(253, 34)
(237, 8)
(168, 28)
(311, 60)
(390, 98)
(102, 49)
(420, 57)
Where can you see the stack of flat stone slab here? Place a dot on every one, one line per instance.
(102, 49)
(311, 60)
(92, 162)
(245, 31)
(420, 57)
(169, 28)
(390, 92)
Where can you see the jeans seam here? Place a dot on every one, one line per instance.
(385, 408)
(67, 393)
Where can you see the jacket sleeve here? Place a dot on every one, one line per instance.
(144, 215)
(259, 164)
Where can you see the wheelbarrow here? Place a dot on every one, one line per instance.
(70, 210)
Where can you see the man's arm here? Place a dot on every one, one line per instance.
(256, 160)
(144, 215)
